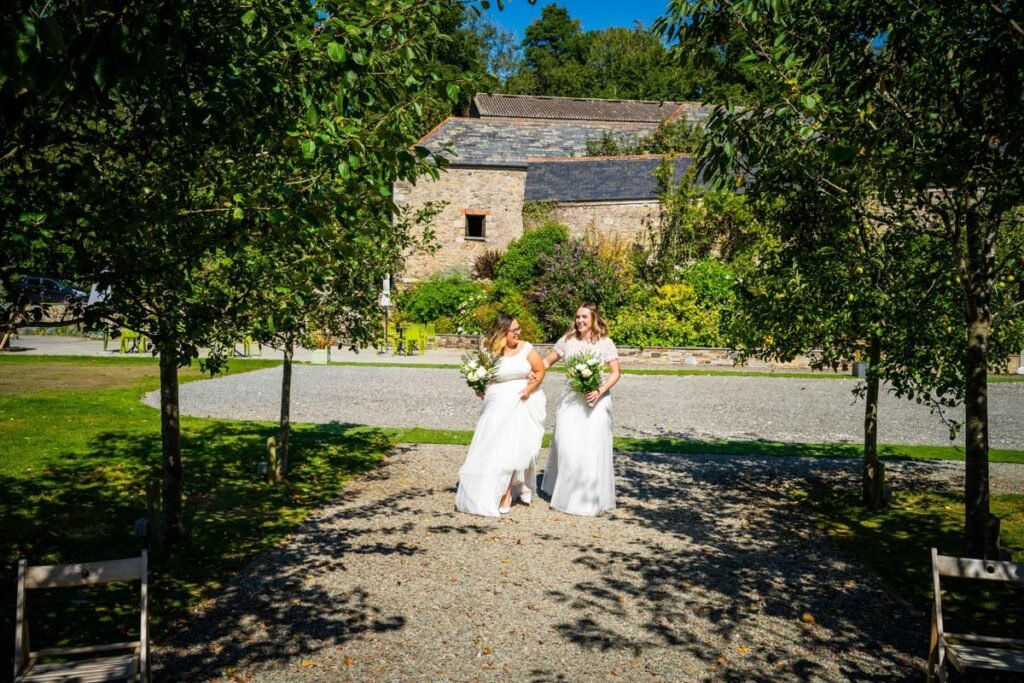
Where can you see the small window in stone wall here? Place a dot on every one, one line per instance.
(475, 226)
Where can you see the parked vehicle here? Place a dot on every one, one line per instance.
(45, 290)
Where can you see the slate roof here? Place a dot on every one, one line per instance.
(511, 142)
(572, 108)
(693, 112)
(597, 178)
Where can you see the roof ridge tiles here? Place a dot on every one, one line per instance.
(676, 155)
(578, 99)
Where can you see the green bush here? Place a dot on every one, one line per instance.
(713, 281)
(516, 306)
(667, 316)
(521, 263)
(440, 296)
(573, 274)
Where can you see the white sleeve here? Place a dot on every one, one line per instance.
(559, 347)
(608, 350)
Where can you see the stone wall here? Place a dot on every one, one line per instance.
(495, 193)
(621, 220)
(498, 195)
(688, 357)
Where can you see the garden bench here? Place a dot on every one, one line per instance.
(127, 661)
(968, 651)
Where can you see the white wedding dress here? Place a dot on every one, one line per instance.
(507, 437)
(580, 474)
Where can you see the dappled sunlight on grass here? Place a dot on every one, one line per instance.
(74, 474)
(896, 543)
(84, 508)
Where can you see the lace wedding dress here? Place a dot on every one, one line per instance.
(507, 437)
(580, 475)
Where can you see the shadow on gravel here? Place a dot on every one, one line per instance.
(282, 607)
(755, 556)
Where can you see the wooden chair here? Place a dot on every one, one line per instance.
(89, 664)
(968, 651)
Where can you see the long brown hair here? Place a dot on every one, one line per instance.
(496, 340)
(598, 327)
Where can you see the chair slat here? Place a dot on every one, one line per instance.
(83, 671)
(87, 573)
(981, 657)
(969, 568)
(84, 650)
(992, 640)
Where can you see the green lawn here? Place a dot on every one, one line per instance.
(674, 372)
(727, 447)
(896, 543)
(78, 450)
(75, 462)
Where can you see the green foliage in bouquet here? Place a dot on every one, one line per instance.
(478, 368)
(585, 371)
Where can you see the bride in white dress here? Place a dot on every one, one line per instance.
(510, 428)
(580, 476)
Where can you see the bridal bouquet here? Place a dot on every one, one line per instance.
(478, 368)
(586, 371)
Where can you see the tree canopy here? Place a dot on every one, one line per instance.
(907, 118)
(154, 149)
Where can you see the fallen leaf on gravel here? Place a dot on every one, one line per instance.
(807, 618)
(621, 598)
(349, 661)
(722, 661)
(533, 607)
(308, 662)
(454, 579)
(488, 650)
(743, 649)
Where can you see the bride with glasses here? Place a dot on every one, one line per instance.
(509, 430)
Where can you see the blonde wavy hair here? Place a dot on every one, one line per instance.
(496, 340)
(599, 328)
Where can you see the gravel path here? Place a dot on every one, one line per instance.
(706, 571)
(719, 406)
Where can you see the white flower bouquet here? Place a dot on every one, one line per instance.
(477, 368)
(586, 371)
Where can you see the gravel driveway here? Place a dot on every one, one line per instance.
(706, 571)
(719, 406)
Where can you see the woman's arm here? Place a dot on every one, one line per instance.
(536, 375)
(550, 359)
(606, 385)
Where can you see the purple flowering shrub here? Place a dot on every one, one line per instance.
(572, 274)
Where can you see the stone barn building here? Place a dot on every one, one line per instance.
(515, 149)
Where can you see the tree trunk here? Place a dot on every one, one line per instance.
(172, 524)
(874, 470)
(978, 528)
(285, 427)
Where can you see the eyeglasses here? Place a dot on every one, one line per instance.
(515, 330)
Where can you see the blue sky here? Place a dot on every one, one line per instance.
(592, 14)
